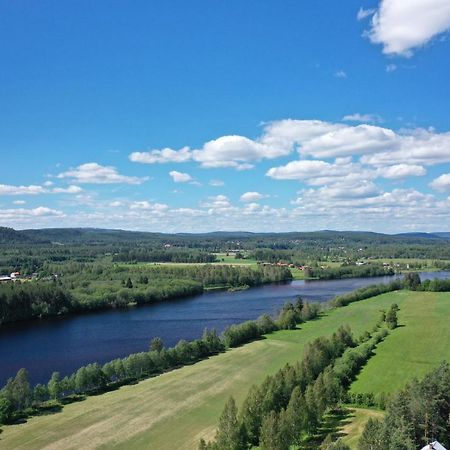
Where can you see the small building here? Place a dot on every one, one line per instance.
(15, 275)
(5, 278)
(434, 446)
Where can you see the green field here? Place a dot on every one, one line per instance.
(421, 342)
(174, 410)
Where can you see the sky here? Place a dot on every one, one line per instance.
(197, 116)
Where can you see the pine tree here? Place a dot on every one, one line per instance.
(229, 433)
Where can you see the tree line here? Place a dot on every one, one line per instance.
(19, 399)
(288, 407)
(176, 255)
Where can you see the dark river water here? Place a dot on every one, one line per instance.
(65, 344)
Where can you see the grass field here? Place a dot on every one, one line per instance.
(420, 343)
(174, 410)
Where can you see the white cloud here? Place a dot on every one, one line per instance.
(251, 197)
(357, 117)
(340, 74)
(19, 202)
(180, 177)
(404, 25)
(21, 213)
(401, 171)
(353, 140)
(72, 189)
(145, 205)
(441, 183)
(364, 13)
(419, 147)
(6, 189)
(235, 151)
(164, 155)
(94, 173)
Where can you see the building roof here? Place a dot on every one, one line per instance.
(434, 446)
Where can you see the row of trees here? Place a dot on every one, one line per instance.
(348, 271)
(415, 416)
(176, 255)
(17, 396)
(289, 406)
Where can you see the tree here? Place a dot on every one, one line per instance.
(295, 413)
(372, 436)
(229, 433)
(18, 390)
(156, 345)
(251, 415)
(40, 393)
(272, 437)
(54, 386)
(5, 409)
(412, 281)
(129, 283)
(391, 318)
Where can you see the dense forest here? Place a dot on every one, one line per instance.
(417, 414)
(87, 286)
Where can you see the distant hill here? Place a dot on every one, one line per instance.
(108, 236)
(11, 236)
(438, 235)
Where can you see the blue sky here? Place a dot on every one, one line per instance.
(200, 116)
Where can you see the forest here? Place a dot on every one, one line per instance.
(90, 286)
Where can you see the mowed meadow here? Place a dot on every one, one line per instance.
(176, 409)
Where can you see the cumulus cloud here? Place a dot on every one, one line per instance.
(401, 26)
(72, 189)
(180, 177)
(94, 173)
(317, 173)
(251, 197)
(18, 214)
(441, 183)
(402, 171)
(419, 147)
(146, 205)
(6, 189)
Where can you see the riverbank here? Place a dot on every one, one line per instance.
(66, 343)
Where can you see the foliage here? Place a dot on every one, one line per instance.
(416, 415)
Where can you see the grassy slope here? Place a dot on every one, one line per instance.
(175, 409)
(413, 349)
(355, 424)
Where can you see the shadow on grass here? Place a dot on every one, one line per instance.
(333, 424)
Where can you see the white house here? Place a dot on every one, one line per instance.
(434, 446)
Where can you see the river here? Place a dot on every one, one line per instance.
(66, 343)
